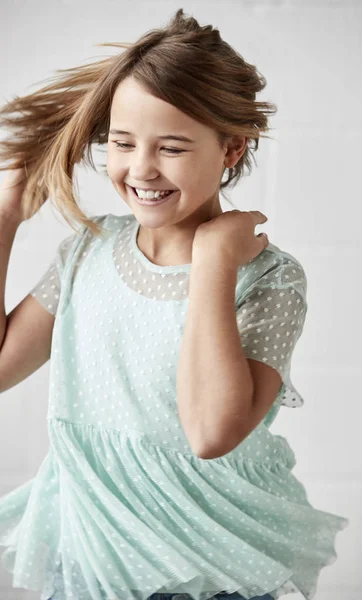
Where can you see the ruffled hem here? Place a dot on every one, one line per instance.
(121, 517)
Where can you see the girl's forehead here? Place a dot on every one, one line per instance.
(130, 99)
(129, 93)
(153, 121)
(136, 110)
(131, 103)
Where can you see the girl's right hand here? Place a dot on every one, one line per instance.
(11, 192)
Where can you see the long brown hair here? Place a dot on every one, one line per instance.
(187, 65)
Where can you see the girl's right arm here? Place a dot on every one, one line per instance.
(26, 332)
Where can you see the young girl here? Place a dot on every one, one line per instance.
(170, 331)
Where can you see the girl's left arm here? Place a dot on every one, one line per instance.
(217, 385)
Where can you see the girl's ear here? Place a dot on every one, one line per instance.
(234, 151)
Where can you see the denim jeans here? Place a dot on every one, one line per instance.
(219, 596)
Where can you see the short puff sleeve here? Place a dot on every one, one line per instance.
(271, 314)
(47, 290)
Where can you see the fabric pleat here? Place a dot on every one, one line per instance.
(161, 521)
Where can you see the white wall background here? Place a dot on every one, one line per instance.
(307, 182)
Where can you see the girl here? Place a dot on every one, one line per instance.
(170, 332)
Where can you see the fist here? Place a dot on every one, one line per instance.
(231, 238)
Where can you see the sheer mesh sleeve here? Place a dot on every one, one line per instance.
(47, 290)
(270, 321)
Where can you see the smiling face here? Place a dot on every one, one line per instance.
(194, 168)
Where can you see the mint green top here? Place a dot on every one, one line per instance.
(121, 507)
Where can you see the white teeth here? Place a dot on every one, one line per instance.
(150, 194)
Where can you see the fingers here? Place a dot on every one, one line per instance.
(264, 239)
(259, 216)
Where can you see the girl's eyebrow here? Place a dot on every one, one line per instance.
(170, 136)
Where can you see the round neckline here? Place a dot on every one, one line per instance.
(150, 266)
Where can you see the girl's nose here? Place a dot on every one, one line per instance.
(142, 167)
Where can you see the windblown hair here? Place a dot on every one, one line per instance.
(184, 64)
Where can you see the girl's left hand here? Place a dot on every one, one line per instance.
(230, 237)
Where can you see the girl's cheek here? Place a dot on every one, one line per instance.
(114, 172)
(113, 166)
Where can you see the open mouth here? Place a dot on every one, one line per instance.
(152, 201)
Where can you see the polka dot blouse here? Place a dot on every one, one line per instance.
(121, 507)
(271, 296)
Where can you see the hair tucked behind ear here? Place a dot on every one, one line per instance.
(184, 64)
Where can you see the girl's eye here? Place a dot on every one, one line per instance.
(171, 150)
